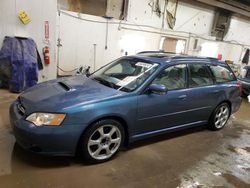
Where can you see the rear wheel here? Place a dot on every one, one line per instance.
(220, 117)
(102, 141)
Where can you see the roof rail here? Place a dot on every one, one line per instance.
(212, 58)
(184, 55)
(178, 56)
(160, 52)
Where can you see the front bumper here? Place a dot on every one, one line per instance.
(49, 140)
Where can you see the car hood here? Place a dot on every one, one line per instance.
(65, 93)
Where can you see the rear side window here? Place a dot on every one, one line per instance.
(199, 75)
(222, 74)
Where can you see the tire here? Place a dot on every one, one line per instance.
(219, 117)
(102, 141)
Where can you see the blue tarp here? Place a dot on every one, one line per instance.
(22, 56)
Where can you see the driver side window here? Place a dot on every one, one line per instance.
(173, 77)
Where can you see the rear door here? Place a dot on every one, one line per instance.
(202, 92)
(226, 86)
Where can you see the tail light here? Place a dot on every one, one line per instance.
(239, 85)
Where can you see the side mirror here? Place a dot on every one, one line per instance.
(158, 89)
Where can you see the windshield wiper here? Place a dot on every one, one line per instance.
(109, 84)
(125, 89)
(104, 82)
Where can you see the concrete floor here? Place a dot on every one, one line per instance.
(192, 158)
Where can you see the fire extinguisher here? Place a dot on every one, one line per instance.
(46, 55)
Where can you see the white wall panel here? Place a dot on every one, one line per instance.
(78, 36)
(39, 11)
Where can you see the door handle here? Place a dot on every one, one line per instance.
(182, 97)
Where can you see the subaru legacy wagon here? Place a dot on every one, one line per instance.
(129, 99)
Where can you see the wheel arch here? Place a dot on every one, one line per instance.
(224, 101)
(213, 112)
(118, 118)
(228, 102)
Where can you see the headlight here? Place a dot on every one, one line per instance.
(40, 119)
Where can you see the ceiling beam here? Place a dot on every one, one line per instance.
(226, 6)
(237, 4)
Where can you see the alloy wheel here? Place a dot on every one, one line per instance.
(104, 142)
(221, 116)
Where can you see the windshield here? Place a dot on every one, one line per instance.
(124, 74)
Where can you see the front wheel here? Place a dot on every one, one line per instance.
(220, 116)
(102, 140)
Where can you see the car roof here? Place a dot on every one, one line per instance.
(167, 57)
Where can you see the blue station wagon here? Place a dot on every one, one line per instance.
(129, 99)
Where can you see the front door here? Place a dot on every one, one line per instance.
(159, 111)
